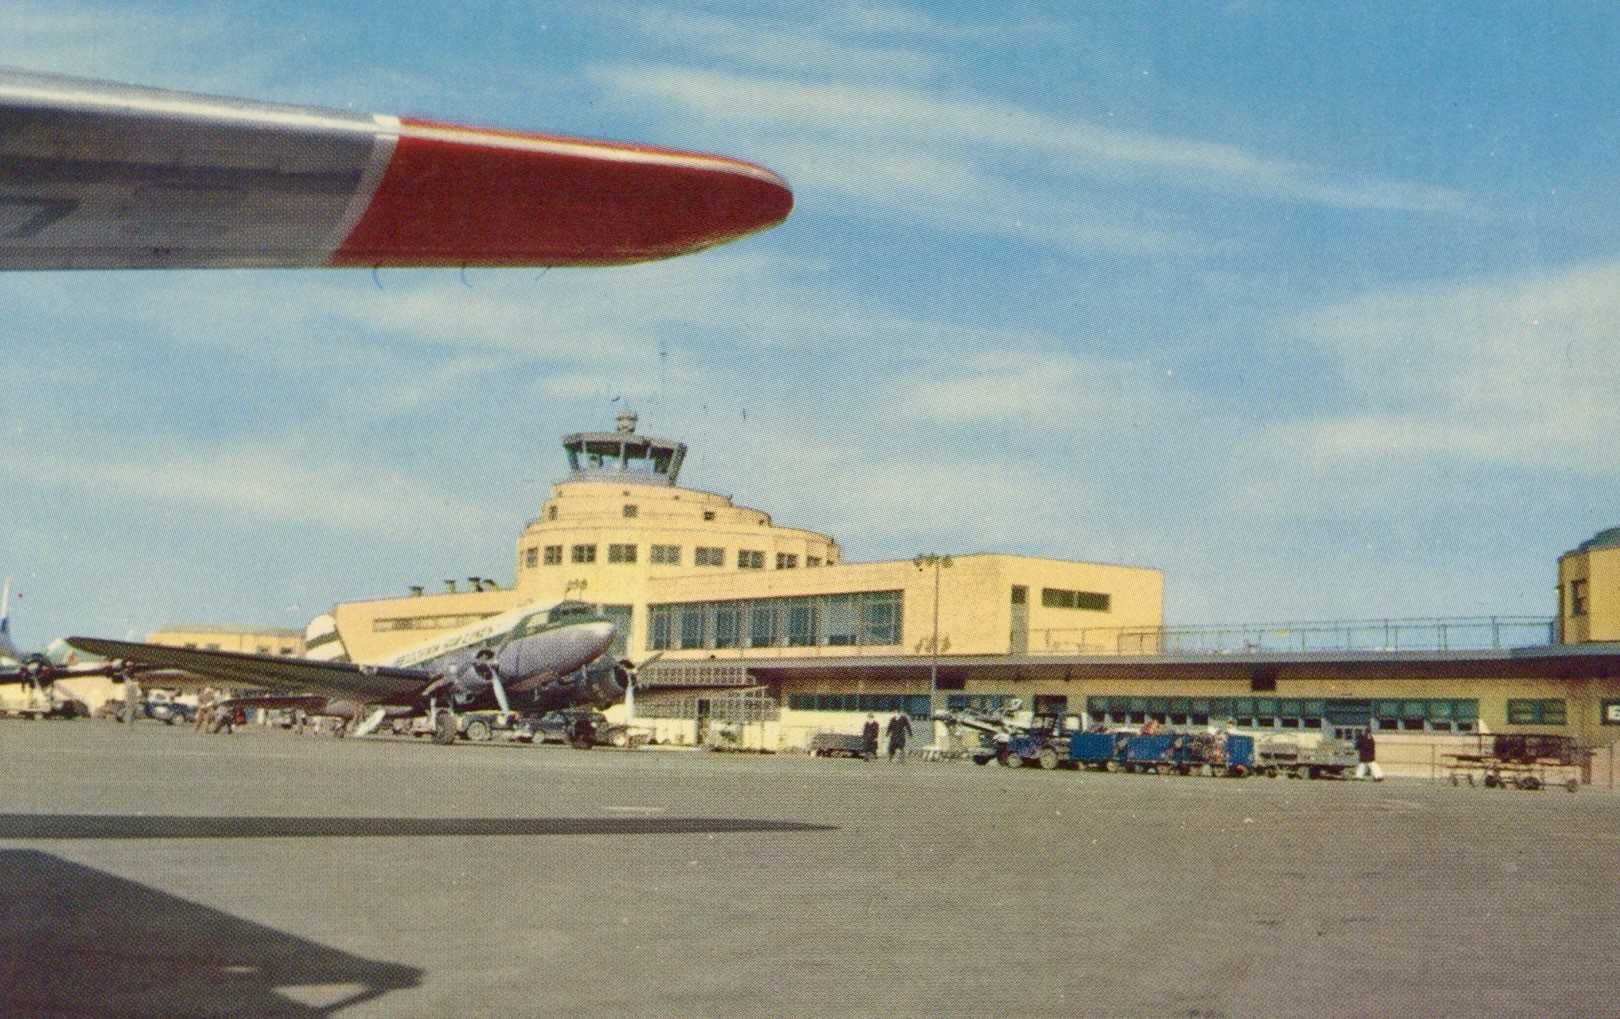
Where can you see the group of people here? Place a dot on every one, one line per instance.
(898, 731)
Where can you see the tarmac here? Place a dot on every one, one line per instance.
(157, 872)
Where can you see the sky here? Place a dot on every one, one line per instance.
(1311, 306)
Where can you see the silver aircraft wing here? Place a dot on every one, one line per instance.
(96, 175)
(371, 684)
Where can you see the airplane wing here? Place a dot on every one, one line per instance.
(101, 176)
(366, 683)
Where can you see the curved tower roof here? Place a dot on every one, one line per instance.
(1608, 538)
(623, 456)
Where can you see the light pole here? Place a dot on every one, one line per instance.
(939, 563)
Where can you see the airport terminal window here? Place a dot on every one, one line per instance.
(531, 558)
(428, 622)
(761, 623)
(840, 620)
(1091, 601)
(728, 618)
(631, 511)
(863, 703)
(621, 553)
(553, 555)
(1305, 713)
(749, 559)
(869, 618)
(620, 616)
(1536, 712)
(666, 555)
(704, 556)
(991, 703)
(691, 627)
(787, 561)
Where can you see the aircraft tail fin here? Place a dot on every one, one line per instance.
(322, 642)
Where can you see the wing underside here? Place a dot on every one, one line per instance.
(369, 684)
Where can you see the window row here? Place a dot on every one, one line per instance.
(662, 555)
(869, 703)
(428, 622)
(1420, 715)
(867, 618)
(1537, 712)
(1091, 601)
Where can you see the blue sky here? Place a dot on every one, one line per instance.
(1313, 308)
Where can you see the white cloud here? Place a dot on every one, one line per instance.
(258, 481)
(1514, 372)
(907, 125)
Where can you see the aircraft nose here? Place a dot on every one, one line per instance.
(600, 635)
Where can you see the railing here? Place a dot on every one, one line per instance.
(1463, 633)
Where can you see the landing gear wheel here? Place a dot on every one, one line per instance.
(444, 728)
(1048, 758)
(1012, 760)
(479, 731)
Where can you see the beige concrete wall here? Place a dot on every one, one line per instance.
(371, 630)
(1600, 569)
(259, 640)
(975, 601)
(593, 513)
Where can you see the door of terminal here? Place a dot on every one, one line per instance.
(1018, 639)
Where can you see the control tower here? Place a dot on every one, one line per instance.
(623, 457)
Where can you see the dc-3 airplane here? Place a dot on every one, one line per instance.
(527, 659)
(37, 673)
(95, 175)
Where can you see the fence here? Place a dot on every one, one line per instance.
(1464, 633)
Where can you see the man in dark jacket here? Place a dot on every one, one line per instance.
(899, 732)
(1367, 751)
(869, 738)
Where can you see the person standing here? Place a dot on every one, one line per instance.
(899, 732)
(869, 738)
(1367, 752)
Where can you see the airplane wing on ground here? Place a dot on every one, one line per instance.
(366, 683)
(101, 176)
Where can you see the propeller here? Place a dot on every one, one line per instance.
(496, 684)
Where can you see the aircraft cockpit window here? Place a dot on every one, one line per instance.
(571, 610)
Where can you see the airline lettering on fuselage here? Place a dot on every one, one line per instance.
(465, 639)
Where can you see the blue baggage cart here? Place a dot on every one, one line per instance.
(1150, 753)
(1096, 749)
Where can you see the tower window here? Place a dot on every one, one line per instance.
(1577, 597)
(553, 555)
(749, 559)
(630, 512)
(786, 561)
(621, 553)
(584, 553)
(708, 514)
(551, 513)
(665, 555)
(704, 556)
(531, 558)
(812, 561)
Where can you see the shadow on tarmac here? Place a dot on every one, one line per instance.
(118, 826)
(85, 943)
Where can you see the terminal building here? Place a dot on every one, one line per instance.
(752, 622)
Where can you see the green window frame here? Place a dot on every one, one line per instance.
(1537, 711)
